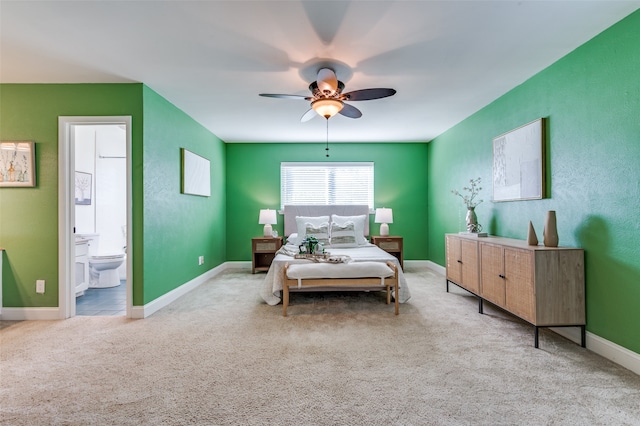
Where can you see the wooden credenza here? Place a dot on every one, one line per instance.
(542, 285)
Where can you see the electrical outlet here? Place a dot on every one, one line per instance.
(40, 286)
(201, 260)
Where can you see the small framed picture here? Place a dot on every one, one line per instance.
(83, 189)
(196, 174)
(17, 163)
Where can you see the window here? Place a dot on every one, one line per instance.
(326, 183)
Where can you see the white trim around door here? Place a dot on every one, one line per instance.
(66, 209)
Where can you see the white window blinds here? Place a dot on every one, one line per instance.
(326, 183)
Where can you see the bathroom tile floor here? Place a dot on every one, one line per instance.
(103, 301)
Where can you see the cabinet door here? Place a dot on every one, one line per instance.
(492, 275)
(469, 256)
(519, 289)
(454, 259)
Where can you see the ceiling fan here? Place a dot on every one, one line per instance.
(328, 100)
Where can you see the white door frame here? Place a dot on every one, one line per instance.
(66, 210)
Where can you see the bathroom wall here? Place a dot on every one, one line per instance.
(111, 188)
(100, 153)
(85, 154)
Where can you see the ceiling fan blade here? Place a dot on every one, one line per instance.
(308, 115)
(368, 94)
(276, 95)
(327, 81)
(350, 111)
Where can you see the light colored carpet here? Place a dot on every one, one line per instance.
(219, 355)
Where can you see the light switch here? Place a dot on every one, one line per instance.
(40, 286)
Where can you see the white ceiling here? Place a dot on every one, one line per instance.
(446, 59)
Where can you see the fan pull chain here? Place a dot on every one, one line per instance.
(327, 148)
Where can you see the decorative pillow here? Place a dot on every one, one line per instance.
(293, 239)
(301, 224)
(358, 221)
(343, 236)
(320, 232)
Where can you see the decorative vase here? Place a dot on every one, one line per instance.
(472, 221)
(532, 238)
(550, 233)
(12, 173)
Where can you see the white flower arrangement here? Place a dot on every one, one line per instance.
(470, 199)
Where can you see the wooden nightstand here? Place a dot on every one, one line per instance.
(263, 250)
(392, 245)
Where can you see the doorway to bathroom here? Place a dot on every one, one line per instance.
(95, 216)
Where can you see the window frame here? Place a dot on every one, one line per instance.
(332, 183)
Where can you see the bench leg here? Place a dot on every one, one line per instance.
(285, 299)
(397, 296)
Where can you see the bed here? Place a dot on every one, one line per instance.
(363, 251)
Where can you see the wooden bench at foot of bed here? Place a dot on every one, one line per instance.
(365, 276)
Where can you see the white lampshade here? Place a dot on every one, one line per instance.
(327, 108)
(267, 218)
(384, 216)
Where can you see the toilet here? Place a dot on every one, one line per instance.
(103, 267)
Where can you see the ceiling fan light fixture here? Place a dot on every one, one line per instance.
(327, 108)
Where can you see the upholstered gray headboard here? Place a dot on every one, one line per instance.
(290, 213)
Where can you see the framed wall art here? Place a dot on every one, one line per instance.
(196, 174)
(518, 163)
(83, 188)
(17, 163)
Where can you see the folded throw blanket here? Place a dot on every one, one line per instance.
(288, 250)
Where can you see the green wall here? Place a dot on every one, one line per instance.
(170, 230)
(591, 99)
(253, 183)
(29, 216)
(178, 227)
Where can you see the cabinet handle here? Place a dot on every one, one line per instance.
(501, 276)
(459, 261)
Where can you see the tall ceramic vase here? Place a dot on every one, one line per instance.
(471, 220)
(532, 238)
(550, 234)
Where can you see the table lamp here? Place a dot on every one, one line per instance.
(384, 216)
(267, 218)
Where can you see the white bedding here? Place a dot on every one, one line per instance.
(271, 290)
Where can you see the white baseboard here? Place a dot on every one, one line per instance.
(603, 347)
(24, 314)
(139, 312)
(416, 264)
(609, 350)
(434, 266)
(238, 264)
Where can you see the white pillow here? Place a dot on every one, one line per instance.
(301, 224)
(320, 232)
(293, 239)
(358, 221)
(343, 236)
